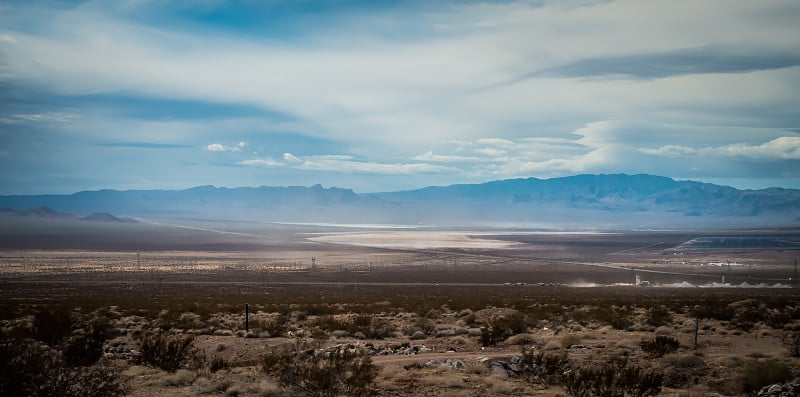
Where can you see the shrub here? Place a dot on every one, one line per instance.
(322, 374)
(218, 363)
(30, 369)
(52, 326)
(546, 369)
(617, 318)
(86, 349)
(614, 379)
(275, 326)
(570, 339)
(370, 327)
(167, 352)
(491, 334)
(659, 316)
(498, 329)
(329, 323)
(660, 346)
(758, 374)
(792, 343)
(713, 310)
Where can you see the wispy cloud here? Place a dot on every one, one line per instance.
(347, 164)
(443, 158)
(36, 118)
(269, 163)
(145, 145)
(218, 147)
(783, 148)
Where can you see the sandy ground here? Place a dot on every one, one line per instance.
(416, 240)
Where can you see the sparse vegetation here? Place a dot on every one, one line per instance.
(86, 348)
(762, 373)
(167, 352)
(660, 346)
(31, 369)
(545, 368)
(617, 378)
(322, 374)
(432, 323)
(659, 316)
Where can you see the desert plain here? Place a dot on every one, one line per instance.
(188, 307)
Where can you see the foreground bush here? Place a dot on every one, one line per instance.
(52, 326)
(322, 374)
(168, 352)
(498, 329)
(30, 369)
(660, 346)
(547, 369)
(86, 349)
(758, 374)
(614, 379)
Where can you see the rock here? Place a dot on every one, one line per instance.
(579, 347)
(456, 364)
(434, 363)
(499, 372)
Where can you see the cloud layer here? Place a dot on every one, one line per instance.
(382, 98)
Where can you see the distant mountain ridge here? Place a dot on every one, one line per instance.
(581, 200)
(616, 192)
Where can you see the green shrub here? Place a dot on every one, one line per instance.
(168, 352)
(322, 374)
(758, 374)
(614, 379)
(660, 346)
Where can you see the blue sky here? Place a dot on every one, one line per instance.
(389, 95)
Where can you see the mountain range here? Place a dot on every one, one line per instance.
(615, 200)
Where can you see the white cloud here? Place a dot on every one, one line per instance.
(443, 158)
(346, 164)
(39, 117)
(783, 148)
(350, 166)
(269, 163)
(290, 158)
(218, 147)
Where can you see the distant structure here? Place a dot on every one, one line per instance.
(138, 260)
(313, 263)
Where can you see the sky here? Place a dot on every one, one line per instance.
(391, 95)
